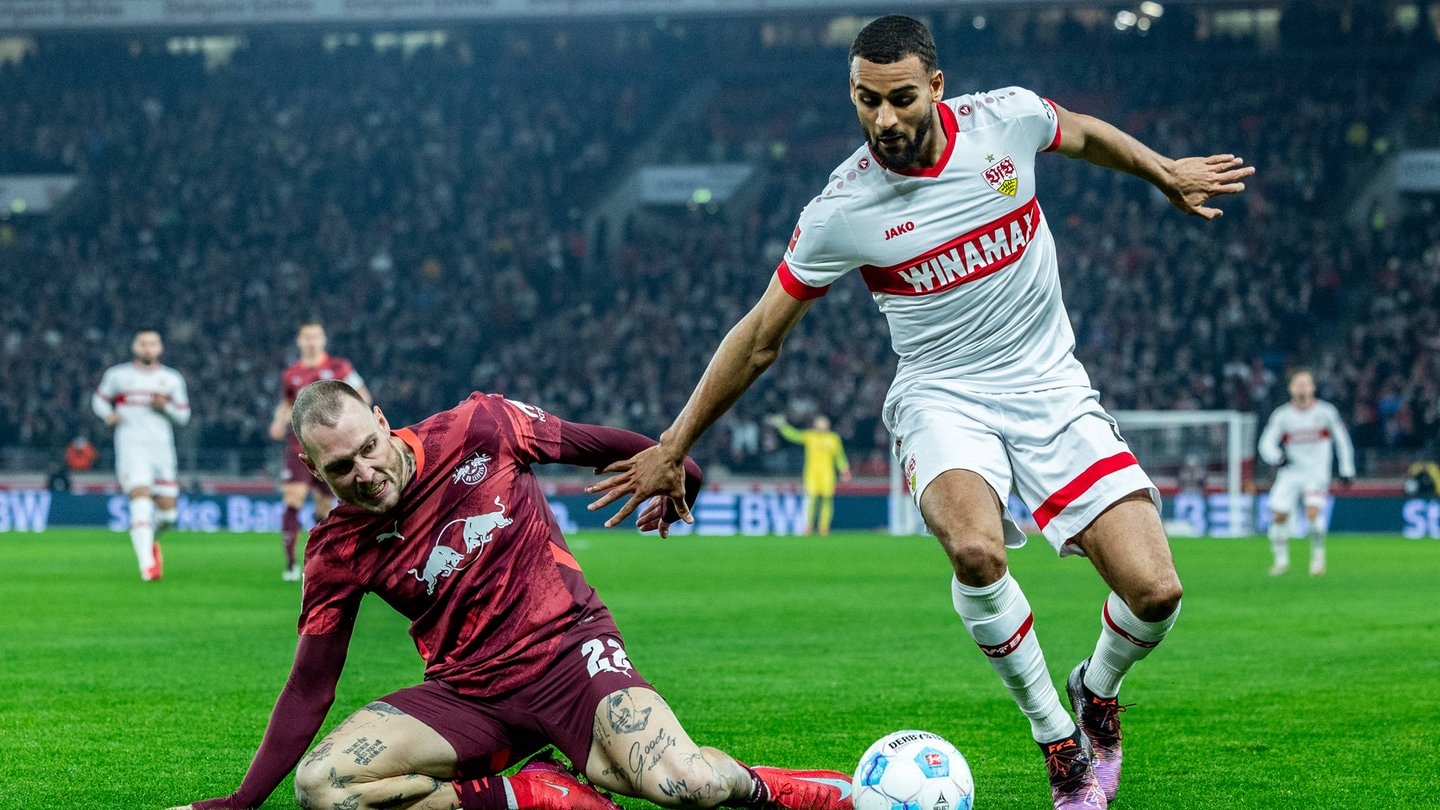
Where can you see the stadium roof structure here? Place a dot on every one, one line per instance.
(33, 16)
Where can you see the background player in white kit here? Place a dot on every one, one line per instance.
(938, 213)
(1303, 438)
(144, 401)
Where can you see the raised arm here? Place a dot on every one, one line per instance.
(298, 714)
(787, 431)
(1187, 182)
(749, 348)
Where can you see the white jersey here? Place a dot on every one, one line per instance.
(1305, 439)
(957, 256)
(127, 390)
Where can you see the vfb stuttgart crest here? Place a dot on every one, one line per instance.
(1002, 177)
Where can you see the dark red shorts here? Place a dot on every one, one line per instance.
(489, 734)
(294, 471)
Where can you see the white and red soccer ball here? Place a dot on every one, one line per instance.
(913, 770)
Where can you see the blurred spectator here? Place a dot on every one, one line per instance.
(80, 454)
(447, 194)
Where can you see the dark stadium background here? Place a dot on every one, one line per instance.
(443, 193)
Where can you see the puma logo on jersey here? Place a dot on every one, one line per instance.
(891, 233)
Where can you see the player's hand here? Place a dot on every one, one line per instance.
(844, 476)
(112, 419)
(1194, 181)
(653, 517)
(1284, 459)
(646, 474)
(277, 430)
(775, 420)
(158, 402)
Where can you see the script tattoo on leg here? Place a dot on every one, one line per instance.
(365, 751)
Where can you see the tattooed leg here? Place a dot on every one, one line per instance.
(377, 759)
(640, 749)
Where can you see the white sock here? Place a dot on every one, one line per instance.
(1317, 545)
(142, 531)
(999, 619)
(1280, 542)
(1124, 639)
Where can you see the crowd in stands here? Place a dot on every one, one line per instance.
(432, 209)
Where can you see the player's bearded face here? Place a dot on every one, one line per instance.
(896, 149)
(896, 105)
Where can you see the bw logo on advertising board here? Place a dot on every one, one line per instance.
(1002, 176)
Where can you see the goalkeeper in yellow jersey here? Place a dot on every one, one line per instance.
(824, 457)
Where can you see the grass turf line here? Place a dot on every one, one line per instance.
(1270, 693)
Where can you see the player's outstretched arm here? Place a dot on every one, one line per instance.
(598, 446)
(749, 348)
(1188, 182)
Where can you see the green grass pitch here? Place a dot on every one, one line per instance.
(1271, 693)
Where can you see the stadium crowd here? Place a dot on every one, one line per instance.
(432, 208)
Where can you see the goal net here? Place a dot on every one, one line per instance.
(1200, 459)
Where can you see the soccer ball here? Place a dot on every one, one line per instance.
(913, 770)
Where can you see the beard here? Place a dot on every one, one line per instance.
(905, 154)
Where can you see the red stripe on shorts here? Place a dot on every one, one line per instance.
(1068, 494)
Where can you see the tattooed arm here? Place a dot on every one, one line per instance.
(298, 714)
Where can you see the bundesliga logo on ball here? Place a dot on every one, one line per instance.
(913, 770)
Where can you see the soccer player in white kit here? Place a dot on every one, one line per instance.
(144, 401)
(1303, 438)
(938, 213)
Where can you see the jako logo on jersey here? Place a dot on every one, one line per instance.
(445, 558)
(963, 259)
(472, 471)
(898, 229)
(1002, 176)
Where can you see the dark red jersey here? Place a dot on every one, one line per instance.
(472, 555)
(298, 375)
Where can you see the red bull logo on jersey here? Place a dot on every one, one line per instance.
(966, 258)
(460, 543)
(1002, 176)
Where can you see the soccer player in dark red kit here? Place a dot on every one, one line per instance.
(447, 523)
(296, 482)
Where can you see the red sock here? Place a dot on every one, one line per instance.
(290, 533)
(759, 794)
(485, 793)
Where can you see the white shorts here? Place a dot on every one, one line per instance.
(1294, 486)
(1059, 450)
(151, 467)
